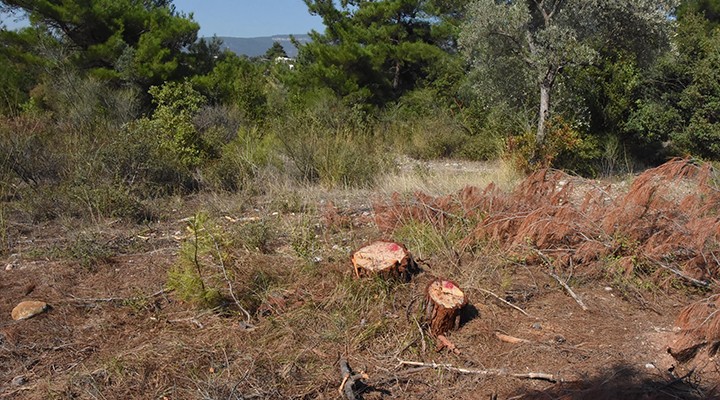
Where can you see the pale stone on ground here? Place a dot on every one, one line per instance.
(28, 309)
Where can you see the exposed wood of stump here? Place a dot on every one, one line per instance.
(384, 258)
(443, 301)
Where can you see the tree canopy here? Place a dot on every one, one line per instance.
(142, 41)
(537, 40)
(375, 51)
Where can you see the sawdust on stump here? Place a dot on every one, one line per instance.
(443, 301)
(384, 258)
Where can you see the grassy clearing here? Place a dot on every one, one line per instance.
(286, 253)
(442, 177)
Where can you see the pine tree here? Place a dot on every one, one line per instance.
(375, 51)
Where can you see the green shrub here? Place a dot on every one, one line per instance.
(177, 104)
(195, 277)
(438, 135)
(88, 251)
(136, 158)
(31, 151)
(325, 147)
(564, 148)
(189, 286)
(256, 235)
(304, 241)
(241, 161)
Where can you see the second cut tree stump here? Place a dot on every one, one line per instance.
(443, 302)
(384, 258)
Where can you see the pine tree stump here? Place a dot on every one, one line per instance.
(443, 301)
(384, 258)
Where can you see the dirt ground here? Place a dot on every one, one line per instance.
(114, 331)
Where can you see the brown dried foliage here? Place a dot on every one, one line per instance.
(699, 327)
(667, 222)
(667, 218)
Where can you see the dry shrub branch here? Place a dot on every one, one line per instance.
(664, 227)
(666, 220)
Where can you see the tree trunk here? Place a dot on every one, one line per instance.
(443, 302)
(385, 258)
(544, 113)
(396, 75)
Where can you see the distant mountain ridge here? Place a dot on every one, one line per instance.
(257, 46)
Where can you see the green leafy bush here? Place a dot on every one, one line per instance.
(177, 104)
(564, 148)
(424, 127)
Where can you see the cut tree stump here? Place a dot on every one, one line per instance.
(443, 301)
(384, 258)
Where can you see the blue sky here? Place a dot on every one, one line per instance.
(250, 18)
(241, 18)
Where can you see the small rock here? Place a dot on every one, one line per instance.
(559, 339)
(28, 309)
(650, 366)
(608, 289)
(537, 326)
(19, 380)
(9, 267)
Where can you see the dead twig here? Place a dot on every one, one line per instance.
(570, 291)
(693, 281)
(194, 319)
(116, 299)
(485, 372)
(562, 283)
(510, 339)
(503, 301)
(422, 335)
(348, 380)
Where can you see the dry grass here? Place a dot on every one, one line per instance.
(307, 308)
(442, 177)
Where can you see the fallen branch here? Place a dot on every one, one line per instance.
(348, 380)
(190, 319)
(510, 339)
(569, 290)
(446, 343)
(695, 282)
(504, 301)
(562, 283)
(422, 335)
(485, 372)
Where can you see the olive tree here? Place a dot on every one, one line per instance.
(536, 40)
